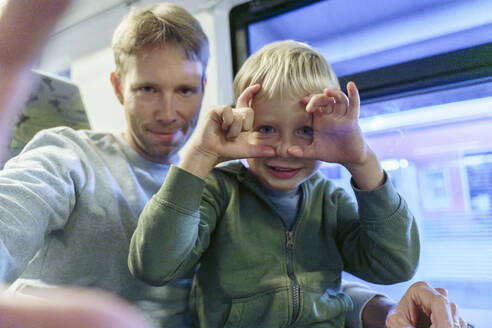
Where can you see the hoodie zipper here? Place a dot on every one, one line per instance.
(289, 245)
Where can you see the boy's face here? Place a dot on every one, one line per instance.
(282, 124)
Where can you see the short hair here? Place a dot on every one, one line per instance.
(156, 25)
(286, 69)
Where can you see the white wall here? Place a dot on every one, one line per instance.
(91, 74)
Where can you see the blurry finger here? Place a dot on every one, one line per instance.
(244, 100)
(327, 109)
(305, 100)
(251, 151)
(442, 291)
(457, 319)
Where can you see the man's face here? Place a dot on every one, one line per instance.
(282, 124)
(162, 92)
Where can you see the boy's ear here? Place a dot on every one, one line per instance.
(117, 87)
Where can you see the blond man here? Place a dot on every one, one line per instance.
(71, 199)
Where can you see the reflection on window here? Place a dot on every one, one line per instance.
(434, 183)
(478, 169)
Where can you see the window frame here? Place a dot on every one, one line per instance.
(437, 71)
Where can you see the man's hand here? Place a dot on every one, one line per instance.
(25, 26)
(223, 136)
(424, 306)
(68, 307)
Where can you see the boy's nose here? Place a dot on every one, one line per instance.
(283, 146)
(166, 111)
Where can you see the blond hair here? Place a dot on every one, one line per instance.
(156, 25)
(286, 69)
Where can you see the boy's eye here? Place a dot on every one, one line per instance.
(306, 130)
(266, 129)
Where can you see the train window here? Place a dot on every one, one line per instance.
(424, 70)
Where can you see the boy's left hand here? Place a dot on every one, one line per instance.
(338, 138)
(337, 135)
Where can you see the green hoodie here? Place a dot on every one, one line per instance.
(254, 273)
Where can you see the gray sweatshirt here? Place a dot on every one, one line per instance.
(68, 207)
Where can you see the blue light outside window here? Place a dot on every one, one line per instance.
(354, 39)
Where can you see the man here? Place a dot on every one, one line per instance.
(70, 201)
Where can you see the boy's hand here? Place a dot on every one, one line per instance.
(338, 137)
(222, 137)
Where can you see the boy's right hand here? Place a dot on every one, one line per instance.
(223, 136)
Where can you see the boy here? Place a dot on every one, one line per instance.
(272, 238)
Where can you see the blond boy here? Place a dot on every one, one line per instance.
(273, 238)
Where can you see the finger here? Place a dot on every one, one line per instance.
(222, 116)
(305, 100)
(251, 151)
(456, 315)
(354, 99)
(396, 320)
(227, 118)
(454, 309)
(295, 151)
(442, 291)
(431, 301)
(320, 101)
(337, 94)
(302, 152)
(341, 100)
(248, 117)
(236, 127)
(244, 100)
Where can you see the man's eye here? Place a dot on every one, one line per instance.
(266, 129)
(306, 130)
(187, 91)
(147, 89)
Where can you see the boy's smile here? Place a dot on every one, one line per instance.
(282, 124)
(283, 172)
